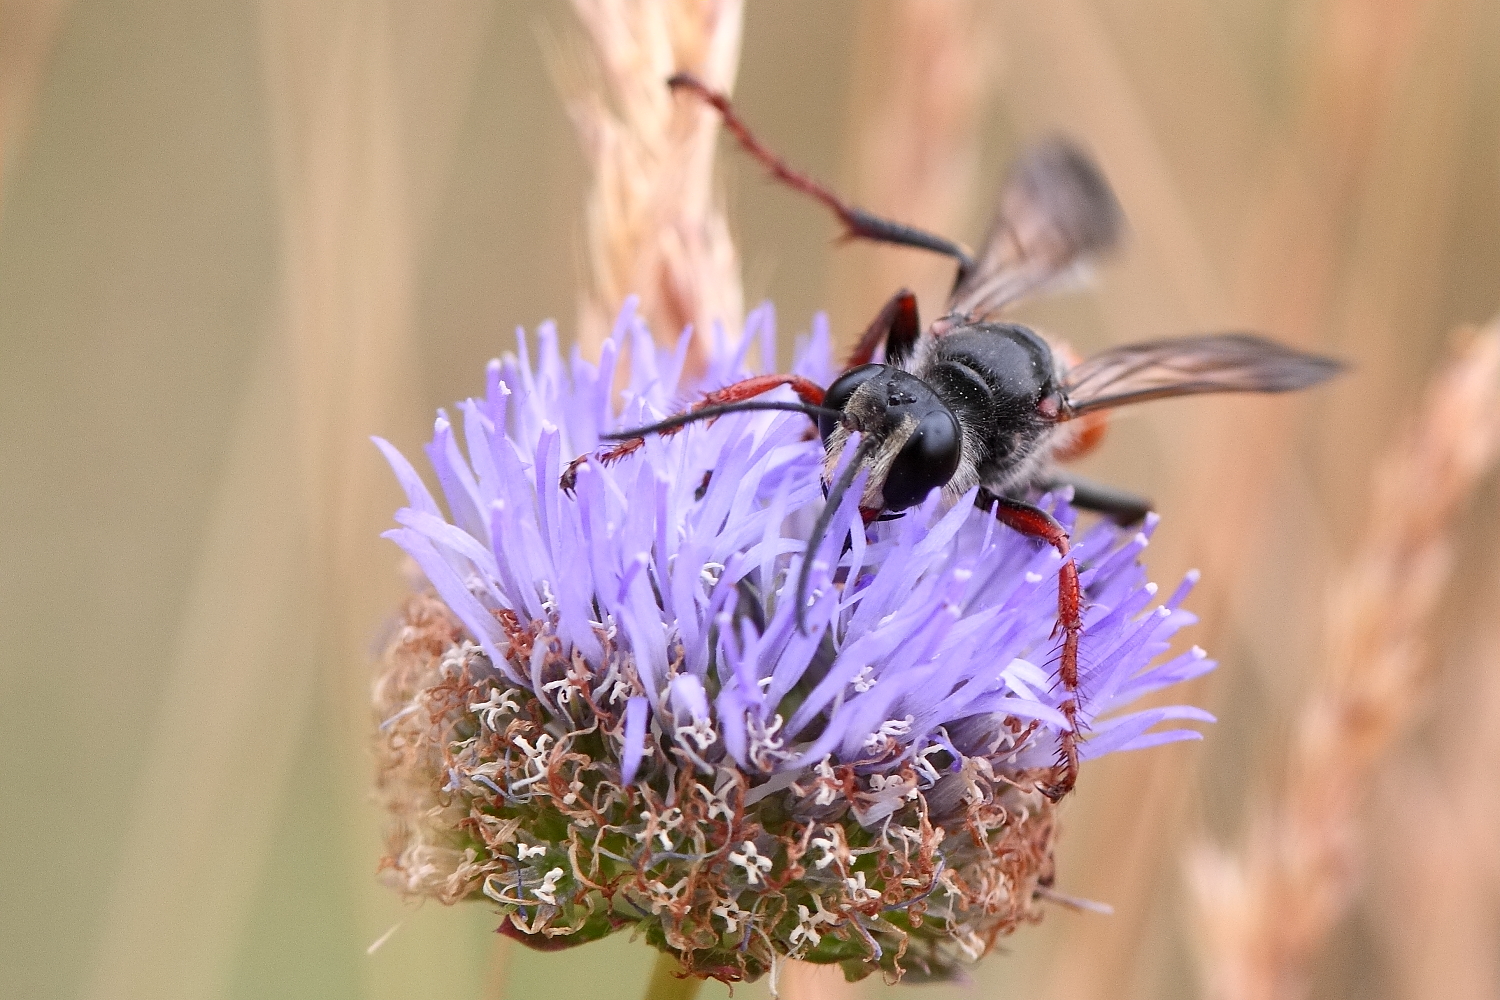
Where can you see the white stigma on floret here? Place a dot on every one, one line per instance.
(547, 891)
(890, 731)
(755, 864)
(828, 784)
(456, 658)
(732, 915)
(765, 746)
(925, 767)
(718, 805)
(858, 891)
(834, 849)
(496, 704)
(562, 690)
(661, 827)
(808, 921)
(664, 896)
(700, 732)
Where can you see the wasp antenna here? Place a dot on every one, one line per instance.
(825, 519)
(710, 412)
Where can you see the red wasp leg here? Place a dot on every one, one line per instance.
(807, 390)
(1034, 522)
(569, 478)
(896, 326)
(858, 222)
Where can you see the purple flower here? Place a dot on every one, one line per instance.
(605, 714)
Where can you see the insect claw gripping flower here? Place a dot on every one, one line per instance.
(601, 712)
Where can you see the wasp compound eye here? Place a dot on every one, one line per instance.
(837, 396)
(926, 461)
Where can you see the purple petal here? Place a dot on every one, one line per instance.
(636, 711)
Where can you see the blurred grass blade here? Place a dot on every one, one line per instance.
(366, 101)
(1265, 915)
(31, 29)
(924, 77)
(236, 700)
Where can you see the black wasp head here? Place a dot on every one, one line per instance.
(901, 412)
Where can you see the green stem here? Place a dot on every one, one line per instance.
(664, 982)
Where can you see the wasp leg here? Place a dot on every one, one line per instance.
(859, 223)
(1120, 506)
(1034, 522)
(896, 325)
(807, 390)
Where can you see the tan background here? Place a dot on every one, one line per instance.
(237, 239)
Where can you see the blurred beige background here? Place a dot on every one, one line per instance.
(237, 239)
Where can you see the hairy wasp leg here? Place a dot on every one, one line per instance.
(857, 221)
(569, 478)
(807, 390)
(896, 326)
(1120, 506)
(1034, 522)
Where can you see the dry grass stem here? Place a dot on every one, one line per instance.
(1265, 914)
(26, 44)
(1434, 900)
(655, 228)
(360, 151)
(290, 587)
(1275, 267)
(1438, 909)
(928, 71)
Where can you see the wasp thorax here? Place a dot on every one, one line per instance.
(1003, 370)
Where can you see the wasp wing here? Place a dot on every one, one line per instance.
(1056, 211)
(1224, 362)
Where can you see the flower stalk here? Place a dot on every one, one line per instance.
(669, 981)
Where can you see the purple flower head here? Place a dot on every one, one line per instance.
(604, 713)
